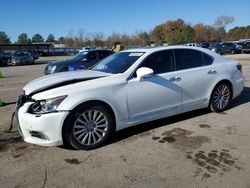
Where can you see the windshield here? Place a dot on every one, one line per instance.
(80, 56)
(117, 62)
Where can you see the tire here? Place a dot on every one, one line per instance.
(220, 97)
(89, 126)
(219, 52)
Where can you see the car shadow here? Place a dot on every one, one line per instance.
(242, 99)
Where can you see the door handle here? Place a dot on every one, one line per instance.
(175, 79)
(212, 72)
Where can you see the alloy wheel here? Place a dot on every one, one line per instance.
(221, 96)
(90, 127)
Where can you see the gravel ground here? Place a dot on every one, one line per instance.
(195, 149)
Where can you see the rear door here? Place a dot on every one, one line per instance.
(197, 75)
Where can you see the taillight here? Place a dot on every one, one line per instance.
(239, 67)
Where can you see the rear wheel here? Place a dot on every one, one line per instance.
(89, 126)
(220, 97)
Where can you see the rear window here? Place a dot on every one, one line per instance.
(187, 58)
(208, 59)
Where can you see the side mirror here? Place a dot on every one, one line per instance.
(85, 60)
(144, 72)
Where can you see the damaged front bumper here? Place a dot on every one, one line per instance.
(40, 129)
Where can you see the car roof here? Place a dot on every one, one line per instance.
(159, 48)
(93, 50)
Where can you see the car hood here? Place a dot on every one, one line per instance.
(61, 79)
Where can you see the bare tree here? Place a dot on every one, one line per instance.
(220, 24)
(98, 39)
(223, 21)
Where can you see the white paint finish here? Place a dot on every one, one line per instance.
(133, 100)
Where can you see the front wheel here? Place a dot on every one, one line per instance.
(89, 126)
(220, 97)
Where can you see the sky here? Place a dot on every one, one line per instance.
(60, 17)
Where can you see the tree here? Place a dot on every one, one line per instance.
(51, 38)
(204, 33)
(144, 38)
(29, 41)
(61, 40)
(220, 24)
(4, 38)
(159, 33)
(37, 38)
(98, 39)
(22, 38)
(188, 34)
(223, 21)
(173, 30)
(115, 37)
(237, 33)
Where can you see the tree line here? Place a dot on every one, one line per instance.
(170, 32)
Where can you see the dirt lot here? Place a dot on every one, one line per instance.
(196, 149)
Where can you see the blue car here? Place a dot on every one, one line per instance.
(82, 60)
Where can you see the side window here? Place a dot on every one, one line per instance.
(208, 59)
(160, 62)
(92, 56)
(186, 59)
(103, 54)
(106, 53)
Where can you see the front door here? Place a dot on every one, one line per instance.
(158, 94)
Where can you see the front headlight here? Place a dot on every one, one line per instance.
(51, 68)
(46, 106)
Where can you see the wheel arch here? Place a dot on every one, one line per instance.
(219, 82)
(100, 102)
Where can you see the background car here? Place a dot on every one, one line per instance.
(2, 61)
(246, 47)
(5, 58)
(21, 57)
(204, 44)
(221, 48)
(82, 60)
(83, 49)
(192, 44)
(34, 53)
(84, 108)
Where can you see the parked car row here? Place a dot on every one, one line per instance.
(246, 47)
(225, 47)
(19, 57)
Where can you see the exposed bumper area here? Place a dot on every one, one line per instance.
(44, 129)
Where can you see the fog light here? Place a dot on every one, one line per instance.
(38, 135)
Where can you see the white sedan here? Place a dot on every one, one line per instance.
(134, 86)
